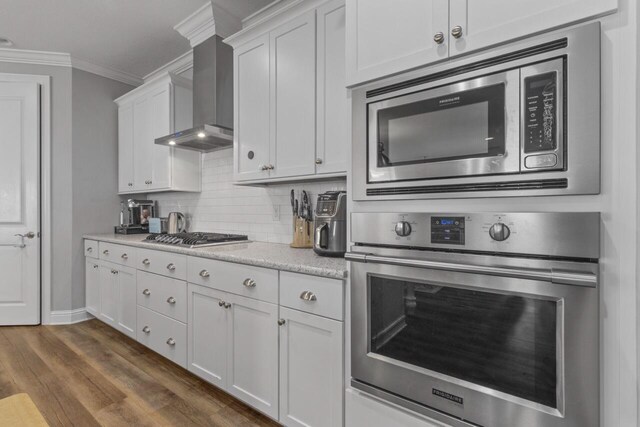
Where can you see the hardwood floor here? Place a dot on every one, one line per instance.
(88, 374)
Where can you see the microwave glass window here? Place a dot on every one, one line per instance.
(504, 342)
(541, 113)
(462, 125)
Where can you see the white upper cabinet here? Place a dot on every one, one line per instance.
(156, 109)
(388, 37)
(333, 103)
(385, 37)
(292, 109)
(492, 22)
(251, 104)
(293, 79)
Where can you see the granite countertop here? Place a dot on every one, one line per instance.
(261, 254)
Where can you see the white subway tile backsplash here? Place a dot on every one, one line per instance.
(226, 208)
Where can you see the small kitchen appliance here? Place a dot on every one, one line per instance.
(137, 215)
(330, 224)
(196, 240)
(176, 223)
(478, 318)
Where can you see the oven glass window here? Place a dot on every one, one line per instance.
(504, 342)
(462, 125)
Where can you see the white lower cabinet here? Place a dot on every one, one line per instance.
(163, 335)
(311, 370)
(233, 344)
(117, 285)
(92, 286)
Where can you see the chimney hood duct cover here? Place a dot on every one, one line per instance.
(212, 100)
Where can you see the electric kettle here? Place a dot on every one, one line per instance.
(176, 223)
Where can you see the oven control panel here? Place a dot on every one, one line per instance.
(447, 230)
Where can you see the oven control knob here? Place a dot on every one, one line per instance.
(403, 228)
(499, 232)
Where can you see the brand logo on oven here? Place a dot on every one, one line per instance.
(449, 100)
(452, 397)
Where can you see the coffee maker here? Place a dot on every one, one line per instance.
(135, 220)
(330, 224)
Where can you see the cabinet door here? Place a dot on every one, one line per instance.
(92, 286)
(385, 37)
(125, 149)
(311, 370)
(161, 125)
(207, 334)
(253, 353)
(293, 106)
(489, 22)
(251, 109)
(108, 295)
(142, 154)
(126, 301)
(333, 104)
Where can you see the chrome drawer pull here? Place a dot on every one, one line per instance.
(204, 273)
(146, 292)
(308, 296)
(146, 261)
(171, 300)
(171, 267)
(249, 283)
(105, 252)
(171, 342)
(124, 256)
(89, 249)
(146, 329)
(221, 303)
(227, 304)
(281, 322)
(95, 266)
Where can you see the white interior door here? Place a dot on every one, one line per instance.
(19, 203)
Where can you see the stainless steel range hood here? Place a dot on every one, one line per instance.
(212, 100)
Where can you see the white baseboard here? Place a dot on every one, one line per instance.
(68, 317)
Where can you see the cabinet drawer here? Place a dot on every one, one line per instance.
(316, 295)
(91, 249)
(163, 294)
(165, 263)
(246, 280)
(163, 335)
(118, 254)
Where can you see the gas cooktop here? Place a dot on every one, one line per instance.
(196, 240)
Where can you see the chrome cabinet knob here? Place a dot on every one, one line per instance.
(171, 267)
(271, 167)
(281, 322)
(146, 261)
(95, 266)
(456, 31)
(204, 273)
(146, 329)
(318, 161)
(124, 256)
(130, 184)
(227, 304)
(438, 37)
(171, 342)
(146, 292)
(171, 300)
(105, 252)
(264, 168)
(308, 296)
(249, 283)
(89, 249)
(114, 271)
(221, 303)
(150, 182)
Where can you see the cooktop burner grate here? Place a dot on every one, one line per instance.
(195, 240)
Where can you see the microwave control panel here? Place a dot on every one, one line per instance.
(447, 230)
(541, 113)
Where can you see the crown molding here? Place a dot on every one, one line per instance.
(208, 21)
(55, 59)
(107, 72)
(176, 66)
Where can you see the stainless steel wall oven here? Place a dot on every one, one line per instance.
(478, 319)
(523, 117)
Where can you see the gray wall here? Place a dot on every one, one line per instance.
(95, 203)
(61, 177)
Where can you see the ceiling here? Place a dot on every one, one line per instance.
(130, 36)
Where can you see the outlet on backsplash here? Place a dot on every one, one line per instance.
(262, 213)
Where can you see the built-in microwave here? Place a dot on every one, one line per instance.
(523, 119)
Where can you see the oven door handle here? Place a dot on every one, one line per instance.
(563, 277)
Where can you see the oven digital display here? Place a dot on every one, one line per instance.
(447, 230)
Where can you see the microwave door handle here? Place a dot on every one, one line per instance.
(548, 275)
(321, 236)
